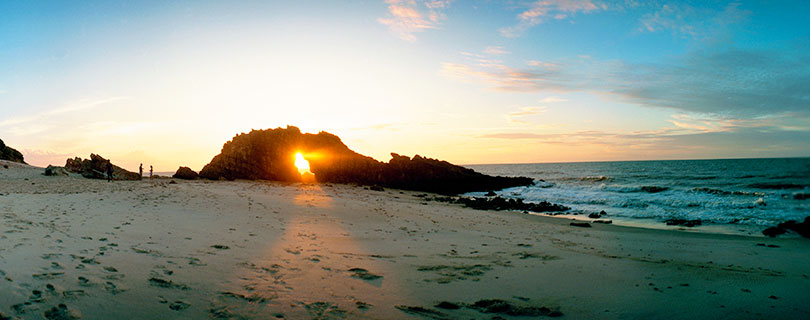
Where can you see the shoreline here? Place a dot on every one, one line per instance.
(257, 249)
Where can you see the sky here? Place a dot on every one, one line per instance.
(166, 83)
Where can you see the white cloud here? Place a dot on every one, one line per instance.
(491, 50)
(407, 17)
(552, 99)
(541, 11)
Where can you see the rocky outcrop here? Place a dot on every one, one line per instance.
(10, 154)
(185, 173)
(96, 168)
(802, 228)
(270, 155)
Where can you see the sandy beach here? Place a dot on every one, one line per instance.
(75, 248)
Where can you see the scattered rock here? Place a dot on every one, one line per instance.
(653, 189)
(376, 188)
(220, 247)
(498, 203)
(580, 224)
(491, 193)
(801, 196)
(603, 221)
(55, 171)
(802, 228)
(683, 222)
(185, 173)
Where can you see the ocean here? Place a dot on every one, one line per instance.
(734, 195)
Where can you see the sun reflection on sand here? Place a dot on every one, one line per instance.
(312, 270)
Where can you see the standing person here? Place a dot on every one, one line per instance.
(109, 171)
(140, 172)
(150, 172)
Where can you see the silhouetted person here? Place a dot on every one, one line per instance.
(140, 171)
(109, 171)
(150, 172)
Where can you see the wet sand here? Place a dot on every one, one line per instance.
(75, 248)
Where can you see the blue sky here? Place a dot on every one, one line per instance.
(466, 81)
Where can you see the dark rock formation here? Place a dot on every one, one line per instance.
(270, 155)
(185, 173)
(498, 204)
(10, 154)
(801, 196)
(802, 228)
(683, 222)
(580, 224)
(653, 189)
(95, 168)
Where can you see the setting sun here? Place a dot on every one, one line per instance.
(301, 163)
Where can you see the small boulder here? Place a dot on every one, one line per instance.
(185, 173)
(683, 222)
(52, 170)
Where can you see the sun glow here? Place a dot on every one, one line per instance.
(302, 164)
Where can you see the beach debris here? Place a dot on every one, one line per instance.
(683, 222)
(422, 312)
(362, 305)
(62, 312)
(254, 298)
(802, 228)
(361, 273)
(325, 310)
(158, 282)
(580, 224)
(179, 305)
(498, 306)
(220, 247)
(447, 305)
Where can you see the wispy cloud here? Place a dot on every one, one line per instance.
(493, 50)
(516, 116)
(685, 20)
(552, 99)
(738, 83)
(674, 143)
(80, 105)
(543, 10)
(408, 17)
